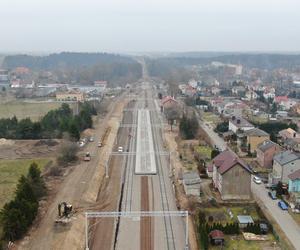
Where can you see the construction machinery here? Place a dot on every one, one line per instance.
(64, 213)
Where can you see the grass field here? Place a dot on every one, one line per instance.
(221, 214)
(23, 109)
(10, 172)
(238, 242)
(211, 117)
(204, 151)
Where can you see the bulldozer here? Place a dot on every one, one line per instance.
(64, 213)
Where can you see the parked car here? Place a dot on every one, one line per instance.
(91, 139)
(271, 186)
(282, 205)
(257, 180)
(120, 149)
(99, 144)
(272, 195)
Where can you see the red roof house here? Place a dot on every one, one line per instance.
(231, 176)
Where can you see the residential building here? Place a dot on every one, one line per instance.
(251, 95)
(269, 93)
(288, 133)
(254, 137)
(231, 176)
(284, 102)
(294, 181)
(238, 90)
(284, 164)
(4, 75)
(265, 152)
(71, 95)
(292, 144)
(168, 102)
(239, 123)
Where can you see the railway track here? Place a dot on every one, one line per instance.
(169, 233)
(146, 223)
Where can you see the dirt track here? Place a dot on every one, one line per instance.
(79, 189)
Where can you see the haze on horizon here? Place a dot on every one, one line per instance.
(149, 25)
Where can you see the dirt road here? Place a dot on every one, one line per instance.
(77, 190)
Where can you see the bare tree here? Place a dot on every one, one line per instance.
(172, 114)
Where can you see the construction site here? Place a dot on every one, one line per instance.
(120, 195)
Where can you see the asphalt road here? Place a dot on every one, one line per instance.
(283, 218)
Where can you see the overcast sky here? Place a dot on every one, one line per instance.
(149, 25)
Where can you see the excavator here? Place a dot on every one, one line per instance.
(64, 213)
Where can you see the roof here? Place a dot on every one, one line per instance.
(245, 219)
(285, 157)
(256, 132)
(240, 122)
(266, 145)
(167, 99)
(295, 175)
(281, 98)
(216, 234)
(226, 160)
(190, 178)
(292, 142)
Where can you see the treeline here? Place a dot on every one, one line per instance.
(262, 61)
(53, 125)
(81, 67)
(18, 214)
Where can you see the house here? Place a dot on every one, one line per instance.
(216, 237)
(231, 176)
(234, 108)
(294, 181)
(238, 90)
(168, 102)
(288, 133)
(269, 93)
(292, 144)
(251, 95)
(284, 102)
(215, 90)
(70, 95)
(265, 152)
(254, 137)
(284, 164)
(239, 123)
(244, 220)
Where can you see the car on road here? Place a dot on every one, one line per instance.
(120, 149)
(272, 195)
(257, 180)
(282, 205)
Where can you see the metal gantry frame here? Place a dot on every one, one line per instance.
(132, 214)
